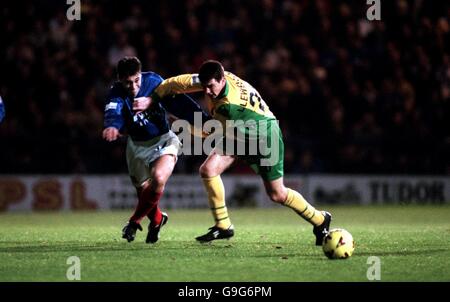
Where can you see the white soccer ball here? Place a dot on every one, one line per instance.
(338, 244)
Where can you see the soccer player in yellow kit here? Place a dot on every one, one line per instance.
(231, 98)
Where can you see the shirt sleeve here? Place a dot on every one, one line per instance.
(185, 83)
(113, 113)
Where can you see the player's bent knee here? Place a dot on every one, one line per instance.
(158, 181)
(205, 171)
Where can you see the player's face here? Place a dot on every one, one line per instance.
(213, 87)
(132, 83)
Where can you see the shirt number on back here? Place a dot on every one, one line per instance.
(255, 101)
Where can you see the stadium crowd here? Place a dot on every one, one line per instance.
(352, 95)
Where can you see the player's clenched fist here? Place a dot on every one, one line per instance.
(141, 104)
(111, 134)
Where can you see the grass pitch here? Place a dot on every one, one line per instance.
(412, 242)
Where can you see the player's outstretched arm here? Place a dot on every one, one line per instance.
(113, 119)
(185, 83)
(184, 107)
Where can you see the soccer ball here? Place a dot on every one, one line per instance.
(338, 244)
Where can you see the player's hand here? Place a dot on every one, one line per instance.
(142, 103)
(111, 134)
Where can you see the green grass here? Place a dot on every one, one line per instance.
(413, 243)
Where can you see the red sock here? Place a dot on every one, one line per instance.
(148, 200)
(155, 216)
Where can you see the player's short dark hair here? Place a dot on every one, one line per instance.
(128, 66)
(210, 70)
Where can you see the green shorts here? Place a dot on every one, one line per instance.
(268, 158)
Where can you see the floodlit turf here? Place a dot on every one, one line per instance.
(412, 242)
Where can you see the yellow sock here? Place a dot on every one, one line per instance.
(216, 199)
(296, 202)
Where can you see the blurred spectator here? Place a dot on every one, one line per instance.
(353, 96)
(2, 109)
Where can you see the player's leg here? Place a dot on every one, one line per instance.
(162, 164)
(160, 172)
(280, 194)
(141, 210)
(272, 172)
(139, 154)
(140, 176)
(210, 171)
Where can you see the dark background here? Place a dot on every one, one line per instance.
(352, 95)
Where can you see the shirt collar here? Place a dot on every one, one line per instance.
(224, 91)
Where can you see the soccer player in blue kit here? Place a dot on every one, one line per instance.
(152, 148)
